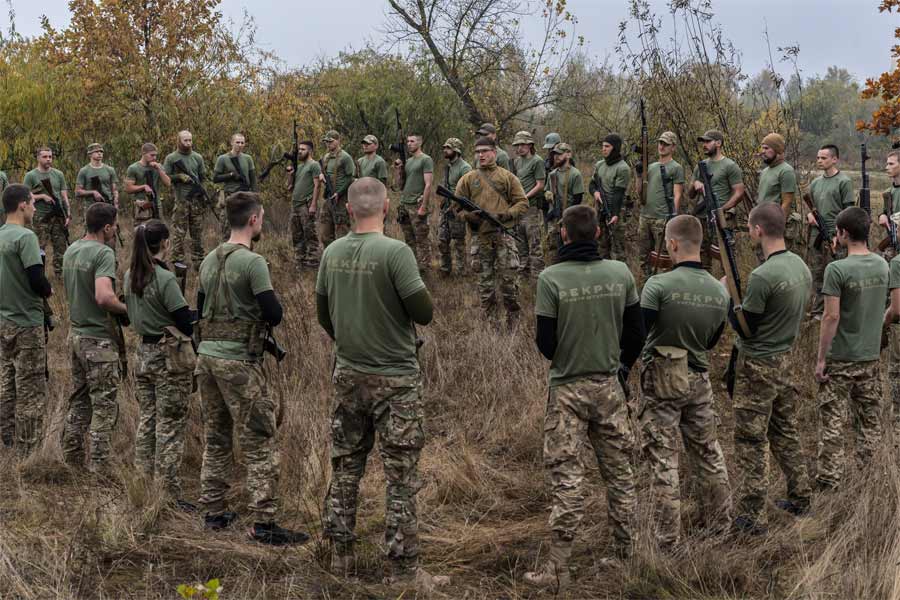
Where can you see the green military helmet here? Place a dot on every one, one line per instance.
(551, 140)
(523, 137)
(454, 144)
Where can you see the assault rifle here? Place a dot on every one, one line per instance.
(400, 148)
(597, 186)
(149, 174)
(271, 345)
(197, 188)
(645, 155)
(820, 223)
(236, 163)
(864, 193)
(329, 186)
(97, 187)
(551, 212)
(468, 205)
(659, 257)
(56, 206)
(891, 239)
(291, 156)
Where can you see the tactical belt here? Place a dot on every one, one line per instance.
(231, 331)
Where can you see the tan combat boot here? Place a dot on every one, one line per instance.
(555, 572)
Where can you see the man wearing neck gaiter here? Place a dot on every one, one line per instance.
(778, 184)
(608, 186)
(589, 325)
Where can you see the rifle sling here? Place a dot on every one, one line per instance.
(229, 328)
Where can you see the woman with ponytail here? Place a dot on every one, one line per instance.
(160, 315)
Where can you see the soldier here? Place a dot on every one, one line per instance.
(529, 168)
(238, 306)
(23, 355)
(892, 314)
(892, 168)
(236, 171)
(778, 184)
(831, 192)
(498, 192)
(766, 402)
(186, 168)
(652, 222)
(727, 183)
(684, 314)
(89, 269)
(97, 182)
(608, 186)
(586, 405)
(565, 188)
(304, 204)
(338, 167)
(452, 230)
(165, 357)
(489, 131)
(412, 213)
(142, 181)
(51, 202)
(371, 164)
(376, 378)
(848, 364)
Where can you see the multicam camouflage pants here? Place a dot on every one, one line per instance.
(531, 250)
(392, 407)
(473, 252)
(236, 402)
(499, 261)
(859, 384)
(187, 219)
(163, 403)
(304, 238)
(766, 414)
(334, 220)
(452, 240)
(51, 229)
(818, 259)
(415, 232)
(92, 407)
(612, 240)
(222, 215)
(649, 236)
(589, 412)
(552, 242)
(695, 417)
(23, 387)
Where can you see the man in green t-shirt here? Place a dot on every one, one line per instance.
(371, 164)
(565, 188)
(684, 314)
(305, 187)
(339, 170)
(238, 308)
(778, 184)
(529, 168)
(589, 326)
(142, 181)
(766, 402)
(830, 193)
(51, 202)
(663, 199)
(452, 231)
(236, 171)
(89, 271)
(848, 366)
(608, 187)
(891, 198)
(188, 173)
(96, 181)
(23, 353)
(412, 212)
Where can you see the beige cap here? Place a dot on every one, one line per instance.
(667, 137)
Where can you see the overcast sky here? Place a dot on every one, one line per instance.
(848, 33)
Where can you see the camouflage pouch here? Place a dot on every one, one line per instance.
(179, 351)
(668, 372)
(143, 210)
(256, 345)
(793, 226)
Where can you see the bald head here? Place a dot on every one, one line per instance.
(366, 197)
(185, 141)
(687, 231)
(184, 134)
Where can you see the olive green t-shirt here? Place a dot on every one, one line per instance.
(305, 182)
(193, 164)
(246, 275)
(861, 283)
(724, 174)
(778, 290)
(530, 170)
(142, 175)
(83, 263)
(366, 277)
(106, 177)
(774, 181)
(152, 312)
(587, 299)
(566, 183)
(894, 280)
(225, 165)
(657, 207)
(340, 171)
(502, 158)
(691, 306)
(373, 167)
(454, 173)
(57, 181)
(416, 167)
(607, 177)
(830, 196)
(19, 250)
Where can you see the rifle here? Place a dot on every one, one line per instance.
(328, 187)
(291, 156)
(726, 248)
(891, 239)
(149, 174)
(95, 185)
(551, 212)
(236, 163)
(820, 222)
(470, 206)
(659, 257)
(56, 206)
(645, 155)
(271, 345)
(400, 148)
(864, 193)
(604, 208)
(197, 188)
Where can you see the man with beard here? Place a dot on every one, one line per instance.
(237, 173)
(565, 188)
(371, 164)
(655, 214)
(529, 168)
(608, 186)
(142, 181)
(187, 215)
(452, 230)
(338, 167)
(304, 197)
(778, 184)
(51, 200)
(412, 214)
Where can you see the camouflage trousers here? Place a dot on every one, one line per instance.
(859, 384)
(531, 250)
(552, 242)
(695, 417)
(452, 240)
(589, 413)
(415, 232)
(92, 407)
(818, 259)
(392, 407)
(23, 387)
(766, 415)
(224, 226)
(236, 403)
(499, 263)
(51, 229)
(612, 241)
(651, 232)
(334, 220)
(163, 403)
(894, 378)
(187, 219)
(473, 252)
(304, 238)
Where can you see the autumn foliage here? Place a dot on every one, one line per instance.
(886, 118)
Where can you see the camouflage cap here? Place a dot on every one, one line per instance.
(711, 135)
(331, 135)
(551, 140)
(523, 137)
(454, 144)
(485, 141)
(369, 139)
(94, 148)
(561, 148)
(667, 137)
(486, 128)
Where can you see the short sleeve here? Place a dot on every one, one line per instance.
(315, 168)
(30, 250)
(62, 182)
(349, 164)
(259, 276)
(631, 295)
(678, 176)
(112, 174)
(172, 297)
(105, 264)
(650, 296)
(894, 281)
(130, 174)
(219, 168)
(757, 294)
(539, 172)
(734, 175)
(382, 170)
(405, 272)
(847, 198)
(81, 178)
(788, 181)
(321, 280)
(201, 166)
(577, 186)
(833, 281)
(427, 165)
(169, 166)
(546, 303)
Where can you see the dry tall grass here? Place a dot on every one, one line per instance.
(483, 510)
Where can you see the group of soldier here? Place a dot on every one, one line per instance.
(592, 323)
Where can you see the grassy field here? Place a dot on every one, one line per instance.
(484, 506)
